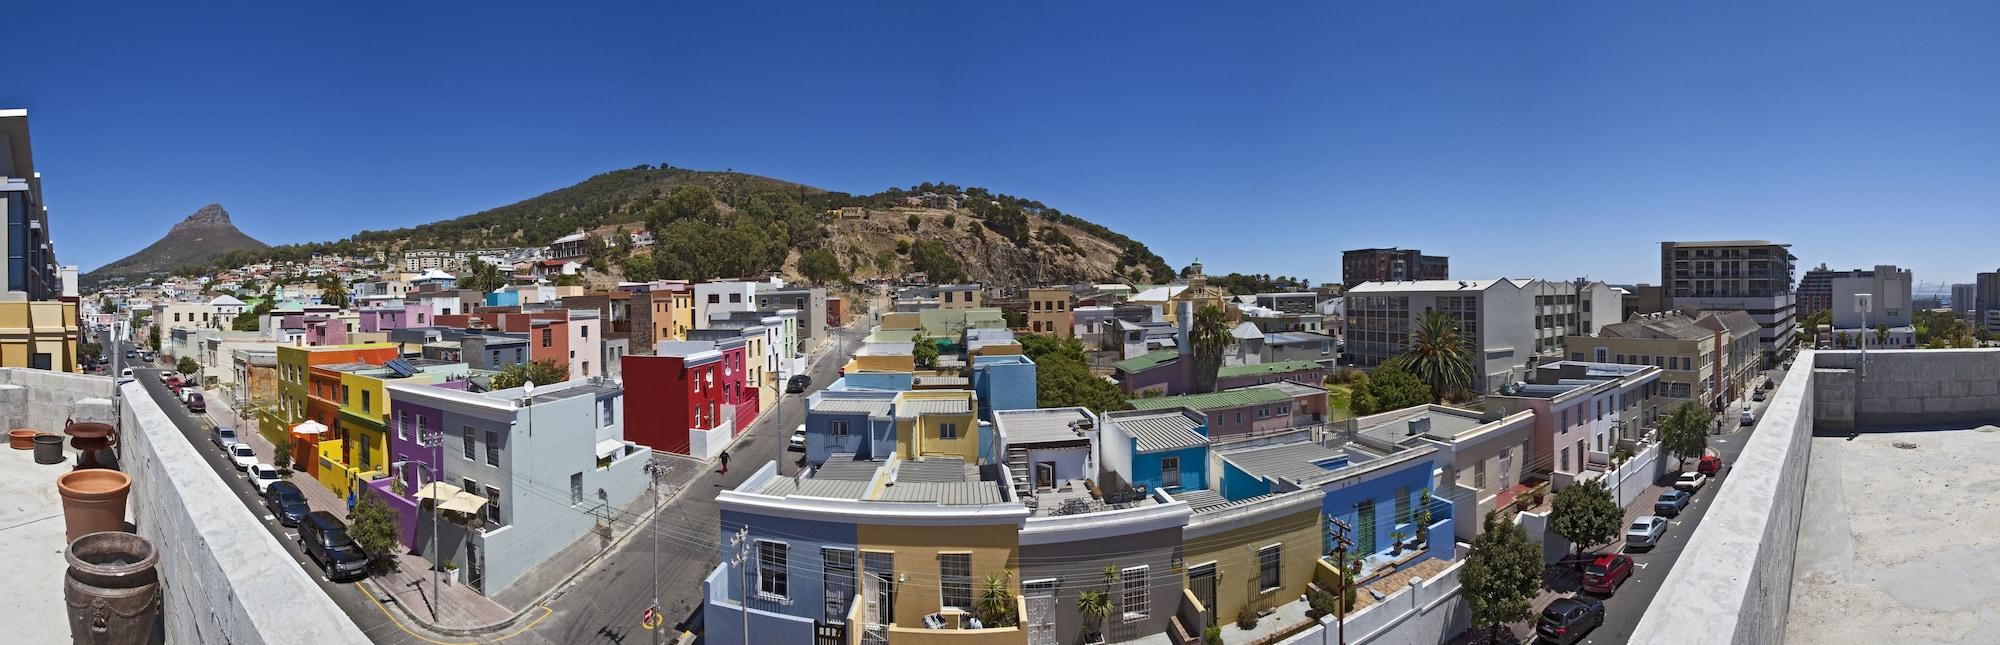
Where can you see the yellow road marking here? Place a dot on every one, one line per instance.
(546, 612)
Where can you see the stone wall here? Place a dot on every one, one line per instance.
(225, 578)
(1733, 583)
(1906, 387)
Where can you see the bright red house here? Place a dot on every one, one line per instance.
(688, 398)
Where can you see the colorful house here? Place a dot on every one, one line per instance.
(1156, 449)
(359, 446)
(1003, 383)
(1379, 490)
(306, 393)
(855, 422)
(1248, 554)
(938, 423)
(1235, 376)
(686, 397)
(1257, 409)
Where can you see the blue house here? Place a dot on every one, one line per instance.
(1165, 448)
(880, 381)
(791, 553)
(859, 422)
(1004, 382)
(1377, 490)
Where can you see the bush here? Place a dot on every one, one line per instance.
(1247, 620)
(1346, 376)
(1212, 635)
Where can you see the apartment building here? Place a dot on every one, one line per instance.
(1049, 312)
(1509, 321)
(1754, 276)
(1391, 265)
(811, 305)
(423, 260)
(1709, 357)
(38, 312)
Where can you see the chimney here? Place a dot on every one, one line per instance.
(1183, 322)
(1420, 425)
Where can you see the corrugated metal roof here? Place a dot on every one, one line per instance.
(846, 466)
(1201, 499)
(1147, 361)
(1046, 425)
(1162, 431)
(874, 406)
(1293, 462)
(829, 488)
(947, 493)
(916, 407)
(1280, 367)
(935, 470)
(1225, 399)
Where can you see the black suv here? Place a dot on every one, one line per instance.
(1568, 619)
(286, 503)
(325, 540)
(798, 384)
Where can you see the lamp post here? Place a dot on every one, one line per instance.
(425, 439)
(1863, 303)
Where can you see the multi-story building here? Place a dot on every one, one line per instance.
(307, 393)
(1754, 276)
(1510, 322)
(1049, 312)
(1964, 299)
(1391, 265)
(690, 394)
(721, 298)
(1815, 292)
(811, 305)
(1888, 290)
(1710, 358)
(672, 313)
(961, 296)
(422, 260)
(30, 272)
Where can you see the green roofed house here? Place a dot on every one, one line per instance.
(1160, 372)
(1233, 376)
(1257, 409)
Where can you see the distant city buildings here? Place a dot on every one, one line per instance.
(1391, 265)
(1754, 276)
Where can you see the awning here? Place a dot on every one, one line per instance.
(463, 502)
(609, 447)
(309, 427)
(438, 490)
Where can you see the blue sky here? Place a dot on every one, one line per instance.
(1536, 139)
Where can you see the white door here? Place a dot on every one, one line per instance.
(1041, 622)
(1170, 472)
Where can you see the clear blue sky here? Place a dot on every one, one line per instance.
(1520, 139)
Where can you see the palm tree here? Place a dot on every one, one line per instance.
(1209, 334)
(1440, 354)
(996, 602)
(1096, 606)
(1881, 333)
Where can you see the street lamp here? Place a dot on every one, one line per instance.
(425, 439)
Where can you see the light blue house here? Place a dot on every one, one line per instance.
(1378, 489)
(882, 381)
(795, 556)
(1004, 382)
(1165, 448)
(859, 422)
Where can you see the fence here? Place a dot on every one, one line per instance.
(1426, 611)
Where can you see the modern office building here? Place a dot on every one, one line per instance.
(38, 326)
(1510, 321)
(1391, 265)
(1964, 297)
(1986, 300)
(1754, 276)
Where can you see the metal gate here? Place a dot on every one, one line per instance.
(1041, 618)
(825, 634)
(1201, 581)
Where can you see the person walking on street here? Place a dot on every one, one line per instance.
(725, 462)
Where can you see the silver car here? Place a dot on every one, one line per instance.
(1645, 532)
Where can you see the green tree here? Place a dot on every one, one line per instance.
(187, 365)
(542, 372)
(1586, 515)
(374, 527)
(1502, 573)
(885, 262)
(915, 222)
(821, 267)
(90, 351)
(153, 337)
(1684, 431)
(1061, 383)
(1882, 333)
(333, 291)
(639, 267)
(1440, 355)
(924, 350)
(482, 277)
(950, 220)
(281, 458)
(1388, 388)
(1209, 334)
(1042, 348)
(931, 258)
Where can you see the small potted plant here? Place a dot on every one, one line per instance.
(451, 572)
(1396, 543)
(1423, 526)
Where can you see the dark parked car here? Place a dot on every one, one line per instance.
(798, 384)
(1568, 619)
(286, 503)
(1603, 575)
(223, 438)
(195, 402)
(1672, 501)
(130, 353)
(324, 539)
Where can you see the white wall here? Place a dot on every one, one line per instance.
(709, 443)
(1426, 612)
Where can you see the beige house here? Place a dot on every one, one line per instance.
(961, 296)
(1707, 357)
(1049, 312)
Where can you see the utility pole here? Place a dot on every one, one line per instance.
(654, 472)
(1336, 532)
(741, 542)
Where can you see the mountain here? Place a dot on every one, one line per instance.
(726, 224)
(194, 242)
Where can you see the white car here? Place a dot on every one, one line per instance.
(798, 439)
(262, 476)
(1749, 418)
(242, 455)
(1691, 481)
(1646, 532)
(125, 373)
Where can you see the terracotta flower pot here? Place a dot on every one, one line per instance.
(93, 500)
(21, 438)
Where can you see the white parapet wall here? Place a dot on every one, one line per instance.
(1905, 387)
(225, 578)
(1733, 581)
(1424, 613)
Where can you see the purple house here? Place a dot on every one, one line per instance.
(405, 445)
(326, 331)
(397, 315)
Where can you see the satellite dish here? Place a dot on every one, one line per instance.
(528, 388)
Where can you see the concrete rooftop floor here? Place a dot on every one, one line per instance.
(1900, 544)
(31, 533)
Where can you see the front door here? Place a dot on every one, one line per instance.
(475, 568)
(1041, 620)
(1045, 475)
(1201, 581)
(1170, 472)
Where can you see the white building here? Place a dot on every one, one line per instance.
(226, 309)
(721, 298)
(1887, 287)
(1498, 317)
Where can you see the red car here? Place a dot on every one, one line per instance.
(1710, 465)
(1607, 572)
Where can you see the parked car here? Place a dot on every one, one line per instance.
(1709, 465)
(1749, 418)
(262, 476)
(324, 539)
(1757, 396)
(130, 353)
(286, 502)
(1672, 501)
(798, 439)
(1603, 575)
(798, 384)
(1645, 532)
(242, 455)
(1566, 620)
(223, 438)
(1691, 482)
(169, 378)
(125, 373)
(196, 403)
(146, 356)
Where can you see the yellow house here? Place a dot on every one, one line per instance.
(673, 314)
(932, 565)
(40, 334)
(900, 321)
(937, 422)
(882, 357)
(1253, 555)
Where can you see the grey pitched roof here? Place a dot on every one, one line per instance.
(935, 470)
(1165, 430)
(918, 407)
(846, 466)
(830, 488)
(1673, 326)
(1293, 462)
(872, 406)
(948, 493)
(1202, 499)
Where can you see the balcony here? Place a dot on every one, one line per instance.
(952, 627)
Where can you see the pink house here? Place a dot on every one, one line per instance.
(395, 316)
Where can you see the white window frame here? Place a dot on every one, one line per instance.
(948, 579)
(837, 427)
(947, 430)
(782, 563)
(1133, 591)
(1276, 554)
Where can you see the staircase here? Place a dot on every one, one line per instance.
(1017, 470)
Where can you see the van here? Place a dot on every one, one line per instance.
(324, 539)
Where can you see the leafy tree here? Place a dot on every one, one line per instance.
(374, 527)
(187, 365)
(821, 267)
(1440, 355)
(1882, 333)
(1042, 348)
(153, 337)
(916, 221)
(1209, 334)
(950, 220)
(542, 372)
(924, 351)
(1684, 431)
(281, 458)
(1015, 318)
(885, 262)
(569, 280)
(1061, 382)
(1502, 573)
(902, 247)
(333, 291)
(1586, 515)
(483, 277)
(931, 258)
(90, 351)
(1389, 388)
(639, 267)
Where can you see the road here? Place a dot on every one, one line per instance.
(1623, 609)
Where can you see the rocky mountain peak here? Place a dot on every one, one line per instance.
(207, 216)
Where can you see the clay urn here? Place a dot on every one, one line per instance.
(21, 438)
(93, 500)
(112, 589)
(88, 437)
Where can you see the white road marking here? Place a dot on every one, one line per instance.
(268, 518)
(1641, 565)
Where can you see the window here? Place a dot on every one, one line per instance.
(607, 413)
(1565, 459)
(1479, 475)
(947, 431)
(403, 425)
(364, 400)
(493, 515)
(1133, 599)
(837, 428)
(585, 329)
(772, 579)
(343, 394)
(955, 580)
(714, 298)
(548, 338)
(576, 488)
(1403, 511)
(470, 442)
(492, 448)
(1268, 567)
(736, 297)
(837, 569)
